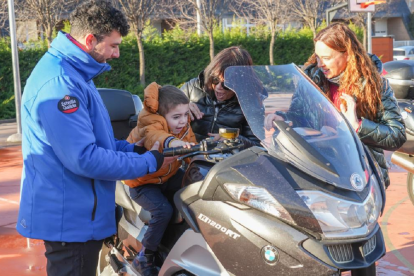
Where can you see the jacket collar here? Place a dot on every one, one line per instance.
(83, 62)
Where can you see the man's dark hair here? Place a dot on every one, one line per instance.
(169, 97)
(99, 18)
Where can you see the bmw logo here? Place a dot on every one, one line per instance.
(270, 254)
(357, 182)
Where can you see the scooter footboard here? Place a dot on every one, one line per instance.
(192, 253)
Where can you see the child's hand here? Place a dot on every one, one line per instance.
(178, 143)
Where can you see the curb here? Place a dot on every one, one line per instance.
(5, 121)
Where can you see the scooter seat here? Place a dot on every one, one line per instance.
(123, 198)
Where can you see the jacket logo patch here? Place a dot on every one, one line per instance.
(68, 104)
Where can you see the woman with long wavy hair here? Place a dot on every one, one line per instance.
(351, 78)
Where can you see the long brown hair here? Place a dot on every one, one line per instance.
(361, 77)
(231, 56)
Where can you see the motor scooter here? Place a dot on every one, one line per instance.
(401, 78)
(306, 203)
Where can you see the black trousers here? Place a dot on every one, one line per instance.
(72, 258)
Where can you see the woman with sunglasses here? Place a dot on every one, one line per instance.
(212, 104)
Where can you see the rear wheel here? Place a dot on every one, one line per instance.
(410, 186)
(368, 271)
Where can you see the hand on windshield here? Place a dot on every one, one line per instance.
(195, 112)
(350, 110)
(269, 120)
(216, 136)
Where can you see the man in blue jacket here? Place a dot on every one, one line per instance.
(71, 158)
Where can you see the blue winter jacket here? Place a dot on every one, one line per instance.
(71, 158)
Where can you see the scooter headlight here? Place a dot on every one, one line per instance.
(258, 198)
(341, 218)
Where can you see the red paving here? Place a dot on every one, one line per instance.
(20, 256)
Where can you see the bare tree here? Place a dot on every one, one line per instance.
(209, 11)
(47, 13)
(310, 12)
(4, 15)
(138, 12)
(268, 12)
(360, 18)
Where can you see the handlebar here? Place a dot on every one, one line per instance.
(205, 145)
(179, 151)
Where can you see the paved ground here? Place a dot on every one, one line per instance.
(20, 256)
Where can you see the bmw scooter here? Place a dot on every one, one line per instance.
(306, 203)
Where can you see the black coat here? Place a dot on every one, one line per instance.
(227, 115)
(386, 132)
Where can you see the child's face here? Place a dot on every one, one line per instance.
(177, 118)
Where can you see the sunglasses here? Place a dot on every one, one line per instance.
(216, 81)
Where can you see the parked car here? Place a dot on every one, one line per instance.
(403, 53)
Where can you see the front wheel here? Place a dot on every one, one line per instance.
(368, 271)
(410, 186)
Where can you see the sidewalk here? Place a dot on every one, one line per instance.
(7, 128)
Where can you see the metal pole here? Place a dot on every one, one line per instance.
(198, 17)
(16, 72)
(330, 13)
(369, 32)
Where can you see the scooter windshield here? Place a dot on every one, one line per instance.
(307, 130)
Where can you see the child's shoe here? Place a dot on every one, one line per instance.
(145, 265)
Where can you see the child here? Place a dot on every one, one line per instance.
(164, 119)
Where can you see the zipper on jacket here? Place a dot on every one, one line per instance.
(95, 200)
(216, 111)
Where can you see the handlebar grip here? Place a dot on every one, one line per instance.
(179, 151)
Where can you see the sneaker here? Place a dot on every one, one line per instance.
(145, 265)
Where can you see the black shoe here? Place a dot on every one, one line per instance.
(145, 265)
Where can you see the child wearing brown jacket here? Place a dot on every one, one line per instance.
(165, 118)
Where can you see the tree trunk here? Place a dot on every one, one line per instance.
(314, 32)
(49, 32)
(272, 43)
(141, 58)
(210, 35)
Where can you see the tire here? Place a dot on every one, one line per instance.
(410, 186)
(368, 271)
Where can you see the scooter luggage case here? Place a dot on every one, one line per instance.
(400, 74)
(406, 109)
(123, 109)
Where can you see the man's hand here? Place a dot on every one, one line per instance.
(166, 160)
(140, 143)
(195, 112)
(269, 120)
(139, 147)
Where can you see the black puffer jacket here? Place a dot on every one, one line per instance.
(228, 114)
(386, 132)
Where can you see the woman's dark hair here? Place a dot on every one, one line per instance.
(231, 56)
(169, 97)
(361, 77)
(99, 18)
